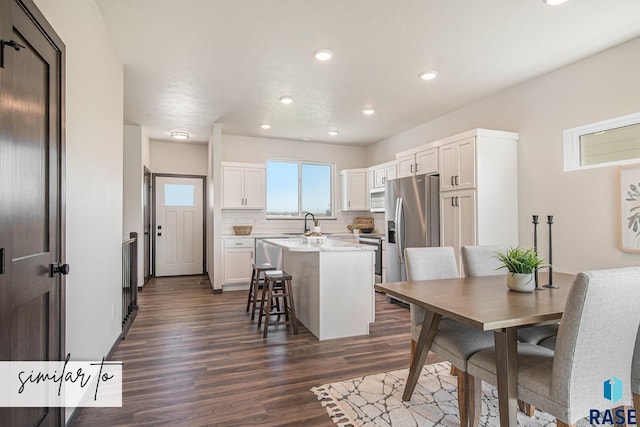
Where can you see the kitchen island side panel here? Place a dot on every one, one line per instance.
(346, 293)
(304, 267)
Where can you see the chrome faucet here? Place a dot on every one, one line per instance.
(306, 227)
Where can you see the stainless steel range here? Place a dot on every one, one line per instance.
(377, 242)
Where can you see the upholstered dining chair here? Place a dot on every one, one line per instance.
(568, 383)
(454, 341)
(635, 373)
(479, 261)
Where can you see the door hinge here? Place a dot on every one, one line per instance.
(58, 268)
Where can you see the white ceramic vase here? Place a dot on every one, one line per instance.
(521, 282)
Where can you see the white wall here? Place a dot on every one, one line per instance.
(178, 158)
(583, 203)
(94, 147)
(136, 158)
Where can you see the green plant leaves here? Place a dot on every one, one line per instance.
(519, 260)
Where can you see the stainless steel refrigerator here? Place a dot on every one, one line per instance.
(412, 218)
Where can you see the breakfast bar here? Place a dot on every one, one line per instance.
(332, 284)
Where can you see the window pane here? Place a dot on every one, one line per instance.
(179, 195)
(612, 145)
(282, 188)
(316, 189)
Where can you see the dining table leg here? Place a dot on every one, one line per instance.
(507, 372)
(425, 339)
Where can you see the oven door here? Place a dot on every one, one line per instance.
(377, 242)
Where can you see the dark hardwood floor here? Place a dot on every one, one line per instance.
(195, 358)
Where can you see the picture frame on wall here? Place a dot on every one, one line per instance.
(629, 191)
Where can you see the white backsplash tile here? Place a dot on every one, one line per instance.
(262, 225)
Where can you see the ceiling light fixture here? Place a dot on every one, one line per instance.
(554, 2)
(323, 54)
(265, 126)
(182, 136)
(333, 132)
(429, 75)
(286, 100)
(368, 111)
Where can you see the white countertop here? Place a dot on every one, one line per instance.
(319, 245)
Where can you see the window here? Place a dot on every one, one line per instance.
(606, 143)
(179, 195)
(295, 188)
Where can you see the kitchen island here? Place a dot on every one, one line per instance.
(332, 284)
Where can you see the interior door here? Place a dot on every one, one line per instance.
(147, 197)
(31, 203)
(179, 226)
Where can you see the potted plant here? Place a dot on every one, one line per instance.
(356, 229)
(316, 226)
(521, 264)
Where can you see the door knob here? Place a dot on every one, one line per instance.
(58, 268)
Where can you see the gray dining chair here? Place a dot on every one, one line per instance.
(479, 261)
(635, 373)
(568, 383)
(454, 341)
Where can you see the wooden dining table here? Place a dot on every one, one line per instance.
(487, 304)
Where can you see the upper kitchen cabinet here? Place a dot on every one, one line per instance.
(417, 163)
(243, 186)
(384, 172)
(354, 189)
(458, 165)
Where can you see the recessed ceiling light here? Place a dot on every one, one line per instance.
(554, 2)
(368, 111)
(286, 99)
(265, 126)
(180, 135)
(323, 54)
(429, 75)
(333, 132)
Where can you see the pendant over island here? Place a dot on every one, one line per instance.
(332, 284)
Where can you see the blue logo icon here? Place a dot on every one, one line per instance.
(613, 389)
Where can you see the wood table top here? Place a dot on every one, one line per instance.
(485, 302)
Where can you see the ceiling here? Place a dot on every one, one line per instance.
(191, 63)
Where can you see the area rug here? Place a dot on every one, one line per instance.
(376, 400)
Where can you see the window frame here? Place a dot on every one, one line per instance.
(571, 141)
(299, 163)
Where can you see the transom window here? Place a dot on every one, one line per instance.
(609, 142)
(295, 188)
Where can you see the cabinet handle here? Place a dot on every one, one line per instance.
(453, 201)
(383, 179)
(457, 183)
(349, 204)
(457, 201)
(416, 168)
(452, 183)
(411, 168)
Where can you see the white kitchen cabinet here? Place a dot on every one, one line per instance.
(354, 189)
(238, 256)
(369, 187)
(458, 165)
(418, 163)
(458, 220)
(479, 190)
(243, 186)
(384, 172)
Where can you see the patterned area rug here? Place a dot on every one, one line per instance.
(376, 400)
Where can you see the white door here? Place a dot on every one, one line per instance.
(179, 226)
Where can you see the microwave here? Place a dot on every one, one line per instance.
(376, 200)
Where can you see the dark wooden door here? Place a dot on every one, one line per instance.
(31, 212)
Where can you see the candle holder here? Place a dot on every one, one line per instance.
(550, 285)
(535, 248)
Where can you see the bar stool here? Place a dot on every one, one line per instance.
(256, 283)
(277, 285)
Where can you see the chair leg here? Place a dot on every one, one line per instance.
(262, 302)
(267, 315)
(453, 371)
(292, 305)
(252, 286)
(469, 399)
(563, 424)
(636, 401)
(526, 408)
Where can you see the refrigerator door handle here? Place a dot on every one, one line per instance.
(400, 229)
